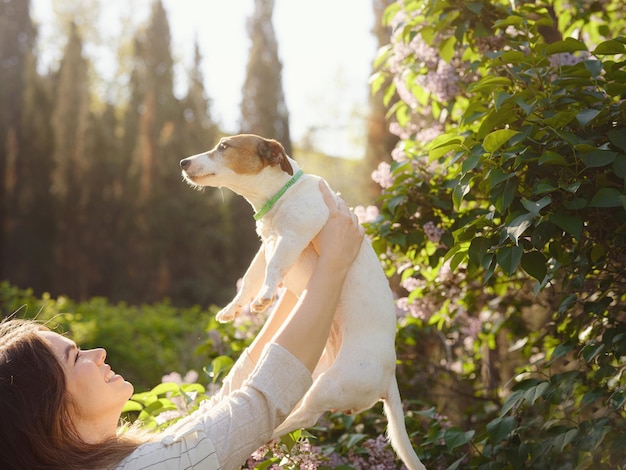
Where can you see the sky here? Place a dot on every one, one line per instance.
(326, 48)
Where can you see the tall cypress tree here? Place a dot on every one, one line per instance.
(29, 253)
(154, 174)
(70, 121)
(198, 124)
(17, 38)
(263, 106)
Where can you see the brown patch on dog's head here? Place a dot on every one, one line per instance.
(249, 153)
(274, 153)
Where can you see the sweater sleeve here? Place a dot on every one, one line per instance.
(222, 434)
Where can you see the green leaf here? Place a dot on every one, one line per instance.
(564, 439)
(354, 439)
(610, 47)
(535, 392)
(616, 89)
(561, 350)
(446, 49)
(594, 67)
(586, 115)
(455, 437)
(500, 429)
(597, 158)
(456, 464)
(471, 162)
(220, 365)
(461, 190)
(512, 57)
(567, 45)
(552, 158)
(477, 249)
(497, 139)
(606, 197)
(569, 223)
(509, 258)
(542, 188)
(618, 399)
(591, 397)
(534, 263)
(444, 140)
(188, 388)
(535, 206)
(488, 83)
(500, 97)
(619, 165)
(496, 176)
(514, 400)
(503, 198)
(131, 405)
(439, 152)
(618, 138)
(165, 388)
(592, 350)
(561, 119)
(513, 20)
(518, 226)
(542, 233)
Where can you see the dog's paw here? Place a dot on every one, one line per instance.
(227, 314)
(260, 304)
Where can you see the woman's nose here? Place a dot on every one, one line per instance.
(99, 354)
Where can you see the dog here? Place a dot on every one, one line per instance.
(357, 368)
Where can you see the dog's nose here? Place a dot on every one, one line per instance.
(184, 163)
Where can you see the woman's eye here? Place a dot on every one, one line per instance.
(77, 356)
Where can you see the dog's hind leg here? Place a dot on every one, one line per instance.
(396, 429)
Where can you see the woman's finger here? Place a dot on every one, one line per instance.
(329, 198)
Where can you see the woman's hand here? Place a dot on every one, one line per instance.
(339, 241)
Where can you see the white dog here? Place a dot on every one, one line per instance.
(358, 365)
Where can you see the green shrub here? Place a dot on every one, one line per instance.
(142, 342)
(503, 219)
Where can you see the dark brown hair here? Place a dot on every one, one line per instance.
(36, 429)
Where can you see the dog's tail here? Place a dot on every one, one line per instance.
(396, 429)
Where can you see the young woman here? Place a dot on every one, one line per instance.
(60, 406)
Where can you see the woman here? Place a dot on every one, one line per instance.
(60, 406)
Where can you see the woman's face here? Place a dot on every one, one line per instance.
(98, 394)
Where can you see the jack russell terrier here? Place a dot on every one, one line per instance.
(358, 366)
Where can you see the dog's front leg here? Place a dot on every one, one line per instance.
(280, 256)
(251, 283)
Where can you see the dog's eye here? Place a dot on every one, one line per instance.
(222, 146)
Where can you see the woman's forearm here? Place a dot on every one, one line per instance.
(273, 323)
(305, 332)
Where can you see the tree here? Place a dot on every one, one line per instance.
(380, 141)
(197, 108)
(17, 39)
(503, 215)
(29, 248)
(263, 106)
(70, 120)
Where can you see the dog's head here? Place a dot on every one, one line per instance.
(243, 154)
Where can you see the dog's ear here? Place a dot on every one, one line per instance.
(274, 152)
